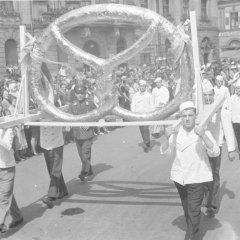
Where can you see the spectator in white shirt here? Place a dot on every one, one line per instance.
(220, 89)
(160, 98)
(160, 94)
(52, 142)
(189, 147)
(232, 105)
(10, 215)
(212, 202)
(142, 102)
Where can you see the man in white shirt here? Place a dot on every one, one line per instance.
(215, 127)
(189, 147)
(220, 89)
(232, 105)
(52, 143)
(160, 94)
(142, 102)
(160, 98)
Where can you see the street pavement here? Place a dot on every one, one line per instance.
(129, 197)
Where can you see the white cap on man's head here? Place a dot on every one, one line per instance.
(237, 84)
(186, 105)
(142, 82)
(219, 78)
(207, 86)
(158, 79)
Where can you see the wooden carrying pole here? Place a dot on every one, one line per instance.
(25, 95)
(198, 81)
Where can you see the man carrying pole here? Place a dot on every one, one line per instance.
(189, 147)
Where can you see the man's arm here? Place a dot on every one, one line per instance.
(210, 143)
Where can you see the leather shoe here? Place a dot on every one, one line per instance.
(63, 195)
(16, 223)
(49, 201)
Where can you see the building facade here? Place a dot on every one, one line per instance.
(229, 25)
(101, 39)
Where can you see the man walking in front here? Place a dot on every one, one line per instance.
(189, 146)
(142, 102)
(83, 135)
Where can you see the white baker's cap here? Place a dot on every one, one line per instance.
(219, 78)
(142, 82)
(207, 86)
(158, 79)
(186, 105)
(237, 83)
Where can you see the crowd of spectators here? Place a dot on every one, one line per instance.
(126, 79)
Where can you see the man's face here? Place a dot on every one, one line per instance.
(159, 84)
(237, 90)
(5, 94)
(208, 97)
(219, 83)
(188, 117)
(64, 88)
(142, 88)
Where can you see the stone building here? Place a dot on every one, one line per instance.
(103, 39)
(229, 24)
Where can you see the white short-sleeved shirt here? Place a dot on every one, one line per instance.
(160, 96)
(6, 152)
(142, 102)
(51, 137)
(190, 157)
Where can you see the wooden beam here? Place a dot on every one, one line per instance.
(209, 110)
(10, 121)
(25, 93)
(196, 60)
(102, 124)
(34, 115)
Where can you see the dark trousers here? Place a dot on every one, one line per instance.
(54, 160)
(212, 197)
(84, 147)
(145, 132)
(9, 211)
(191, 197)
(236, 127)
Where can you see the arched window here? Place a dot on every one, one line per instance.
(204, 10)
(144, 3)
(11, 54)
(165, 8)
(121, 44)
(234, 44)
(186, 8)
(167, 45)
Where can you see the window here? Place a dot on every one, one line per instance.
(234, 44)
(234, 21)
(204, 10)
(76, 3)
(186, 8)
(106, 1)
(157, 6)
(11, 54)
(129, 2)
(144, 3)
(165, 8)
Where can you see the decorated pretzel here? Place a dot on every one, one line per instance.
(106, 91)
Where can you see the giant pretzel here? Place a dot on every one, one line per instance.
(106, 91)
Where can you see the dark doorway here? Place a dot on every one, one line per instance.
(11, 54)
